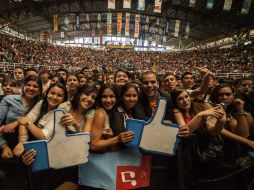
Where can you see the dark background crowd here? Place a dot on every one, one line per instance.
(229, 60)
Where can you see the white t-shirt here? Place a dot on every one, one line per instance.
(46, 123)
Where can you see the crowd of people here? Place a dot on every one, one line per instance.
(229, 60)
(219, 114)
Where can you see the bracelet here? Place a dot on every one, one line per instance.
(23, 136)
(241, 113)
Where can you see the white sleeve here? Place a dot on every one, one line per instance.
(34, 113)
(48, 128)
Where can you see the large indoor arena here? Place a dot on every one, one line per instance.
(126, 94)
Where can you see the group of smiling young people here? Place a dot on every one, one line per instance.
(102, 111)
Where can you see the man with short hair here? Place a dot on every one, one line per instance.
(110, 78)
(30, 72)
(170, 82)
(149, 98)
(62, 72)
(187, 80)
(44, 75)
(144, 110)
(19, 76)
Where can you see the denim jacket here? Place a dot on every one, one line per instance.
(11, 109)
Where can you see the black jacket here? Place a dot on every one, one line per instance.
(143, 110)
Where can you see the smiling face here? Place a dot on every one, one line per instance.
(31, 89)
(150, 85)
(130, 98)
(86, 101)
(121, 78)
(183, 101)
(108, 100)
(55, 97)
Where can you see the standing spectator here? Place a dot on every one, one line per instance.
(31, 72)
(187, 80)
(62, 72)
(170, 82)
(19, 76)
(44, 75)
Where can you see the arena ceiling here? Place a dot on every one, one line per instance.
(32, 17)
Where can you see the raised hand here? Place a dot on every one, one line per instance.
(238, 105)
(217, 112)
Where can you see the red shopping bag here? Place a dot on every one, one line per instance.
(133, 177)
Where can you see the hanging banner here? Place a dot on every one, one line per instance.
(99, 21)
(187, 30)
(177, 27)
(141, 5)
(100, 35)
(167, 28)
(209, 4)
(143, 36)
(157, 6)
(136, 27)
(164, 39)
(227, 5)
(157, 40)
(93, 35)
(127, 24)
(192, 3)
(158, 21)
(87, 24)
(246, 6)
(111, 4)
(77, 25)
(126, 4)
(147, 23)
(109, 24)
(66, 21)
(119, 24)
(62, 35)
(55, 23)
